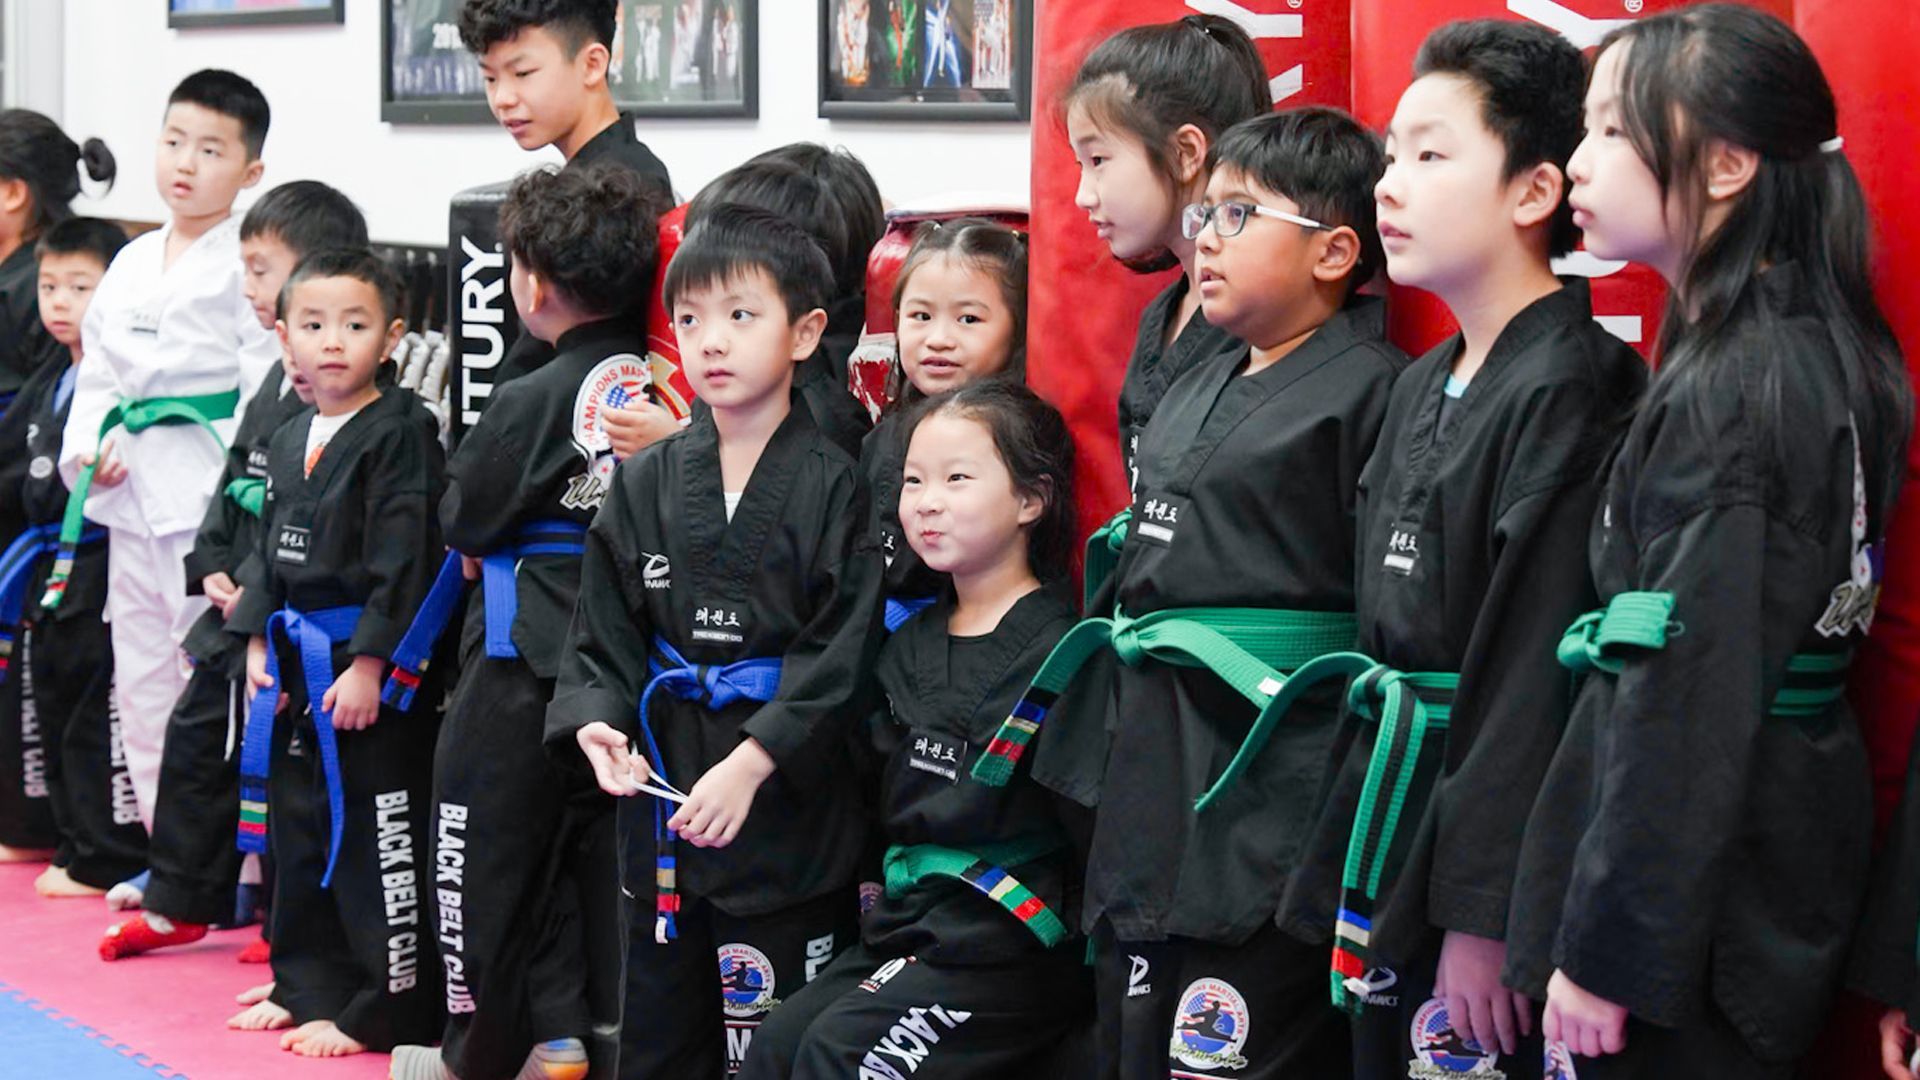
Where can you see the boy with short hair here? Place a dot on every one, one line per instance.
(60, 663)
(738, 550)
(172, 348)
(521, 489)
(1473, 521)
(195, 865)
(348, 541)
(545, 65)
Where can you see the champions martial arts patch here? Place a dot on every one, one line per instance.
(721, 623)
(941, 755)
(291, 545)
(614, 383)
(1441, 1053)
(1210, 1028)
(1558, 1064)
(1158, 519)
(746, 982)
(1403, 549)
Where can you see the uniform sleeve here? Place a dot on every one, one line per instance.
(489, 479)
(826, 680)
(95, 393)
(601, 677)
(1640, 906)
(213, 551)
(402, 532)
(1514, 696)
(1883, 962)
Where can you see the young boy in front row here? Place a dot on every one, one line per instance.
(349, 541)
(521, 971)
(173, 349)
(737, 550)
(195, 864)
(1472, 518)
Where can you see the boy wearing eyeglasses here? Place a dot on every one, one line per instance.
(1247, 474)
(1473, 521)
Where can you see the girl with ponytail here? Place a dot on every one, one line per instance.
(40, 171)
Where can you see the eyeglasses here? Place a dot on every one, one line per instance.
(1230, 217)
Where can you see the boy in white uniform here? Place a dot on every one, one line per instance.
(172, 347)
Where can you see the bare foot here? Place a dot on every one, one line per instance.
(253, 995)
(54, 883)
(260, 1016)
(320, 1038)
(24, 854)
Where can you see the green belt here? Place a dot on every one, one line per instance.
(136, 417)
(985, 870)
(1642, 620)
(248, 494)
(1103, 554)
(1247, 648)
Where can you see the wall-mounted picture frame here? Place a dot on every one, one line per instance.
(197, 14)
(670, 58)
(926, 59)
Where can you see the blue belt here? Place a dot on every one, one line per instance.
(754, 679)
(900, 609)
(16, 567)
(314, 636)
(501, 597)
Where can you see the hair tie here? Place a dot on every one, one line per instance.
(1833, 145)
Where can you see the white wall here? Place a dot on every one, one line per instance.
(120, 61)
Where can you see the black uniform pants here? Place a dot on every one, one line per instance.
(1404, 1031)
(872, 1014)
(197, 811)
(693, 1005)
(1192, 1009)
(508, 914)
(102, 841)
(361, 952)
(26, 807)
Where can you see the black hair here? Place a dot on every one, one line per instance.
(486, 23)
(229, 95)
(1321, 158)
(83, 236)
(1033, 442)
(1147, 82)
(307, 216)
(731, 239)
(790, 193)
(1721, 71)
(36, 152)
(1531, 83)
(856, 202)
(591, 231)
(982, 245)
(358, 263)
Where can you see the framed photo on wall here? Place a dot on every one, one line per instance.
(194, 14)
(670, 58)
(926, 59)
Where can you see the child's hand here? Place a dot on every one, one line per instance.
(222, 591)
(1896, 1042)
(257, 677)
(606, 751)
(110, 470)
(1468, 980)
(470, 568)
(354, 698)
(1589, 1024)
(718, 805)
(637, 425)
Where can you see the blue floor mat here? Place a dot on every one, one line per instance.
(36, 1041)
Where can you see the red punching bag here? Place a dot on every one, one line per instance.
(1083, 308)
(670, 386)
(1865, 48)
(1626, 299)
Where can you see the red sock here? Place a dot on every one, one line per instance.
(257, 951)
(136, 935)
